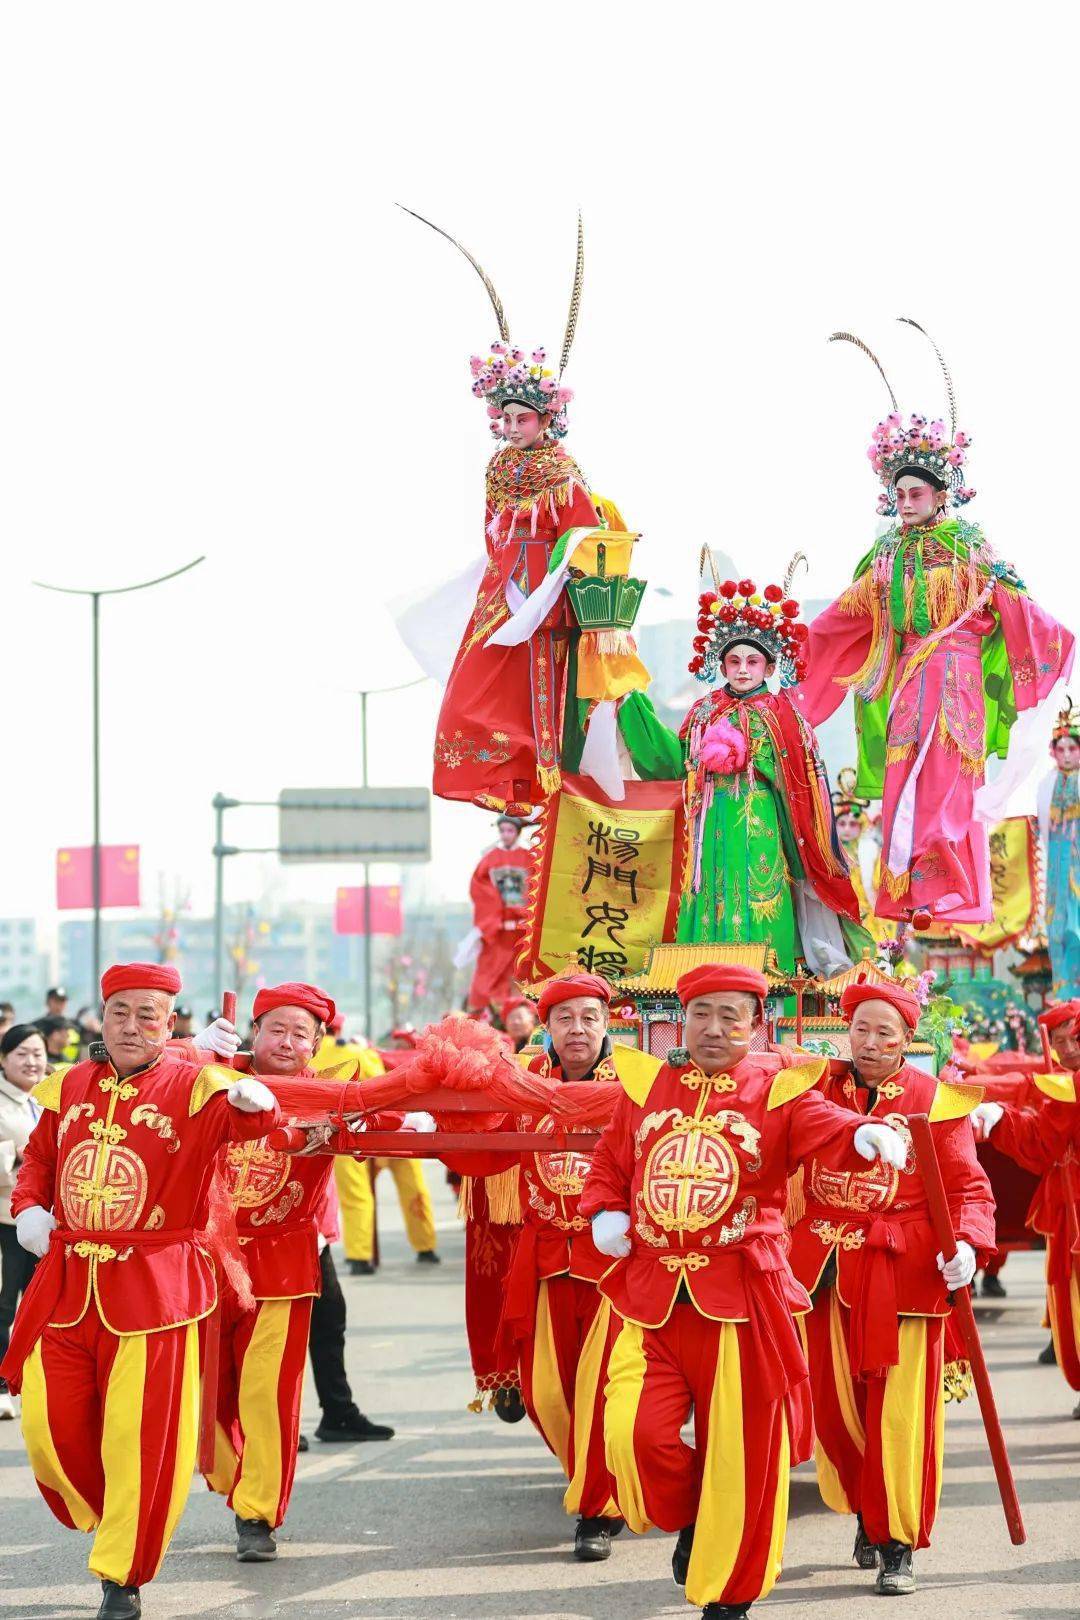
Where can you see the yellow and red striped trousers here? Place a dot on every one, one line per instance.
(879, 1440)
(111, 1426)
(1063, 1310)
(563, 1370)
(356, 1195)
(260, 1385)
(733, 1482)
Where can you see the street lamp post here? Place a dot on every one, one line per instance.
(363, 694)
(95, 686)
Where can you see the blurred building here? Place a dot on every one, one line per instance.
(24, 969)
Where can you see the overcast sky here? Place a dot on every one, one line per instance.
(220, 336)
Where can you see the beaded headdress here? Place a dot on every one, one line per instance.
(920, 447)
(506, 375)
(1068, 723)
(735, 611)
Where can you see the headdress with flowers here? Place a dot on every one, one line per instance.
(506, 375)
(1067, 725)
(736, 611)
(921, 446)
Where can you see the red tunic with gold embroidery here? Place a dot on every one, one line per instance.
(701, 1163)
(276, 1196)
(876, 1221)
(126, 1165)
(498, 735)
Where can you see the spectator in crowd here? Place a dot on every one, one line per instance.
(58, 1036)
(88, 1025)
(56, 1000)
(184, 1027)
(519, 1020)
(7, 1016)
(22, 1065)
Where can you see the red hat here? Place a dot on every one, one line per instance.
(513, 1002)
(1060, 1013)
(307, 996)
(906, 1003)
(565, 986)
(405, 1032)
(140, 976)
(712, 976)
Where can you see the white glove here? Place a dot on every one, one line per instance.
(32, 1229)
(984, 1118)
(250, 1096)
(418, 1122)
(609, 1230)
(220, 1037)
(881, 1142)
(961, 1268)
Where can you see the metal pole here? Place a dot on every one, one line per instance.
(95, 609)
(95, 854)
(219, 893)
(367, 874)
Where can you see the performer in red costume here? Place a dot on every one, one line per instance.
(1045, 1138)
(686, 1193)
(113, 1190)
(864, 1249)
(277, 1199)
(499, 891)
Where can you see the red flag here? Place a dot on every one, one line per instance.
(385, 910)
(119, 877)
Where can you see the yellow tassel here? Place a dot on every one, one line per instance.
(465, 1199)
(550, 778)
(795, 1208)
(897, 756)
(504, 1197)
(476, 1405)
(959, 1383)
(897, 884)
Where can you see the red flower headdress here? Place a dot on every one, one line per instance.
(737, 612)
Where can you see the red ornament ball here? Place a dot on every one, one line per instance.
(921, 920)
(747, 587)
(790, 609)
(773, 593)
(728, 588)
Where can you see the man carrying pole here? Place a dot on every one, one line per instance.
(686, 1193)
(277, 1199)
(865, 1248)
(113, 1190)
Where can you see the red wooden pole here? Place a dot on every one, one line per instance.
(926, 1154)
(212, 1333)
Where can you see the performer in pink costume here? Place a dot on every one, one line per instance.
(943, 648)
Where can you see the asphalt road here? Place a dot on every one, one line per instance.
(460, 1517)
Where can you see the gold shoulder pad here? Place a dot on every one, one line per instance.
(636, 1071)
(47, 1092)
(1058, 1087)
(791, 1083)
(209, 1081)
(953, 1101)
(341, 1071)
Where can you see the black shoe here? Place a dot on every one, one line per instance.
(592, 1540)
(680, 1558)
(1048, 1355)
(361, 1268)
(616, 1526)
(992, 1287)
(428, 1257)
(119, 1602)
(725, 1611)
(509, 1405)
(303, 1444)
(865, 1552)
(353, 1427)
(255, 1542)
(896, 1577)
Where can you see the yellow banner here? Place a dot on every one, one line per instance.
(608, 878)
(1014, 886)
